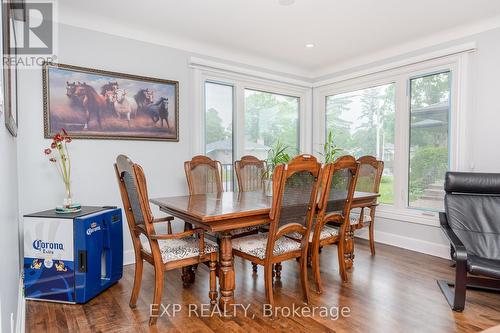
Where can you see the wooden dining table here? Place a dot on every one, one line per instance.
(220, 213)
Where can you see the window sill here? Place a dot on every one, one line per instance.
(408, 215)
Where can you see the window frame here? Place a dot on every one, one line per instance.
(449, 129)
(205, 114)
(299, 127)
(356, 86)
(458, 66)
(240, 83)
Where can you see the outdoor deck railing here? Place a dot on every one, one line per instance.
(228, 178)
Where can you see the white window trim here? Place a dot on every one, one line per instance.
(240, 82)
(458, 64)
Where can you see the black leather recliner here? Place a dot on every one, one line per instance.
(472, 224)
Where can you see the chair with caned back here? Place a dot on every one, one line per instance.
(250, 176)
(250, 173)
(369, 177)
(334, 206)
(203, 176)
(295, 187)
(163, 251)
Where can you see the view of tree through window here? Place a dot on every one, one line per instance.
(219, 122)
(268, 118)
(430, 104)
(219, 128)
(362, 123)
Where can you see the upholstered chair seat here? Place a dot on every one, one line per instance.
(255, 245)
(355, 220)
(182, 248)
(326, 232)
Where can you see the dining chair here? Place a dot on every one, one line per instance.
(295, 187)
(163, 251)
(334, 206)
(250, 176)
(370, 175)
(203, 176)
(250, 173)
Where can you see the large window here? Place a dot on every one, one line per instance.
(429, 124)
(219, 107)
(405, 117)
(270, 118)
(362, 123)
(247, 118)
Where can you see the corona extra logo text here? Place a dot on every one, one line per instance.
(47, 247)
(93, 228)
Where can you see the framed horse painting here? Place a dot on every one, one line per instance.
(97, 104)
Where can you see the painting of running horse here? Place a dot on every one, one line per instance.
(97, 104)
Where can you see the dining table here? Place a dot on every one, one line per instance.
(220, 213)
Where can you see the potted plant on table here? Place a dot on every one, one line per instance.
(58, 155)
(330, 150)
(276, 155)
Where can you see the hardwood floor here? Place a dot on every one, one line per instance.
(395, 291)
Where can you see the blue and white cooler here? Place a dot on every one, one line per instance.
(72, 257)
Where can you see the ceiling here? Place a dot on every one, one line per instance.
(267, 34)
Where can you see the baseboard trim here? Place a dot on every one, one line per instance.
(21, 308)
(417, 245)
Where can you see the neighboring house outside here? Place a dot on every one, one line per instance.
(223, 150)
(431, 119)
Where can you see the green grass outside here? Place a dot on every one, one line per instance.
(387, 190)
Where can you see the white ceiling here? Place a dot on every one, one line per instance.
(265, 33)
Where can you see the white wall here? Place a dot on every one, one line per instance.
(9, 232)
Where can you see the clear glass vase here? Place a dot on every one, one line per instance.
(68, 200)
(268, 187)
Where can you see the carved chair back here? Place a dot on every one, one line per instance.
(134, 194)
(295, 187)
(370, 174)
(337, 191)
(203, 175)
(250, 173)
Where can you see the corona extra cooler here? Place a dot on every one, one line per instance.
(72, 257)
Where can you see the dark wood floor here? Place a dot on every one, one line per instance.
(392, 292)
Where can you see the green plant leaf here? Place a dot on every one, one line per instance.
(330, 150)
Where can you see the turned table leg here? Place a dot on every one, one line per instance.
(226, 272)
(349, 247)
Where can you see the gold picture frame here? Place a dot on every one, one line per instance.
(78, 106)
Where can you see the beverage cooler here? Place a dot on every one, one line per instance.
(72, 257)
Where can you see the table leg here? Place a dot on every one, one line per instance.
(349, 247)
(226, 273)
